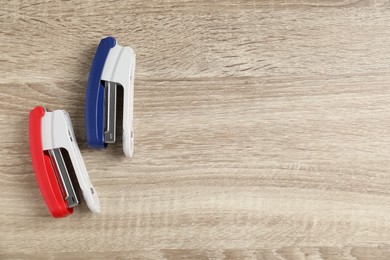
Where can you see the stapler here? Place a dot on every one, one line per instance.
(53, 145)
(112, 68)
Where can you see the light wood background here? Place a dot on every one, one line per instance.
(262, 129)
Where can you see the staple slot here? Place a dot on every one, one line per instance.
(110, 91)
(62, 174)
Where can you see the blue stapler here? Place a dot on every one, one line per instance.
(113, 67)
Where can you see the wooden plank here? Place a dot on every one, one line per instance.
(262, 129)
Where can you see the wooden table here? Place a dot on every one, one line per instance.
(262, 129)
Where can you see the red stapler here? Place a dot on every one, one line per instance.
(52, 142)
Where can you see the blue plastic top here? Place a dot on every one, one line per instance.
(94, 105)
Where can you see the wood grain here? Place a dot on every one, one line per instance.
(262, 129)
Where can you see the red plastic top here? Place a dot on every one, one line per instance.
(43, 168)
